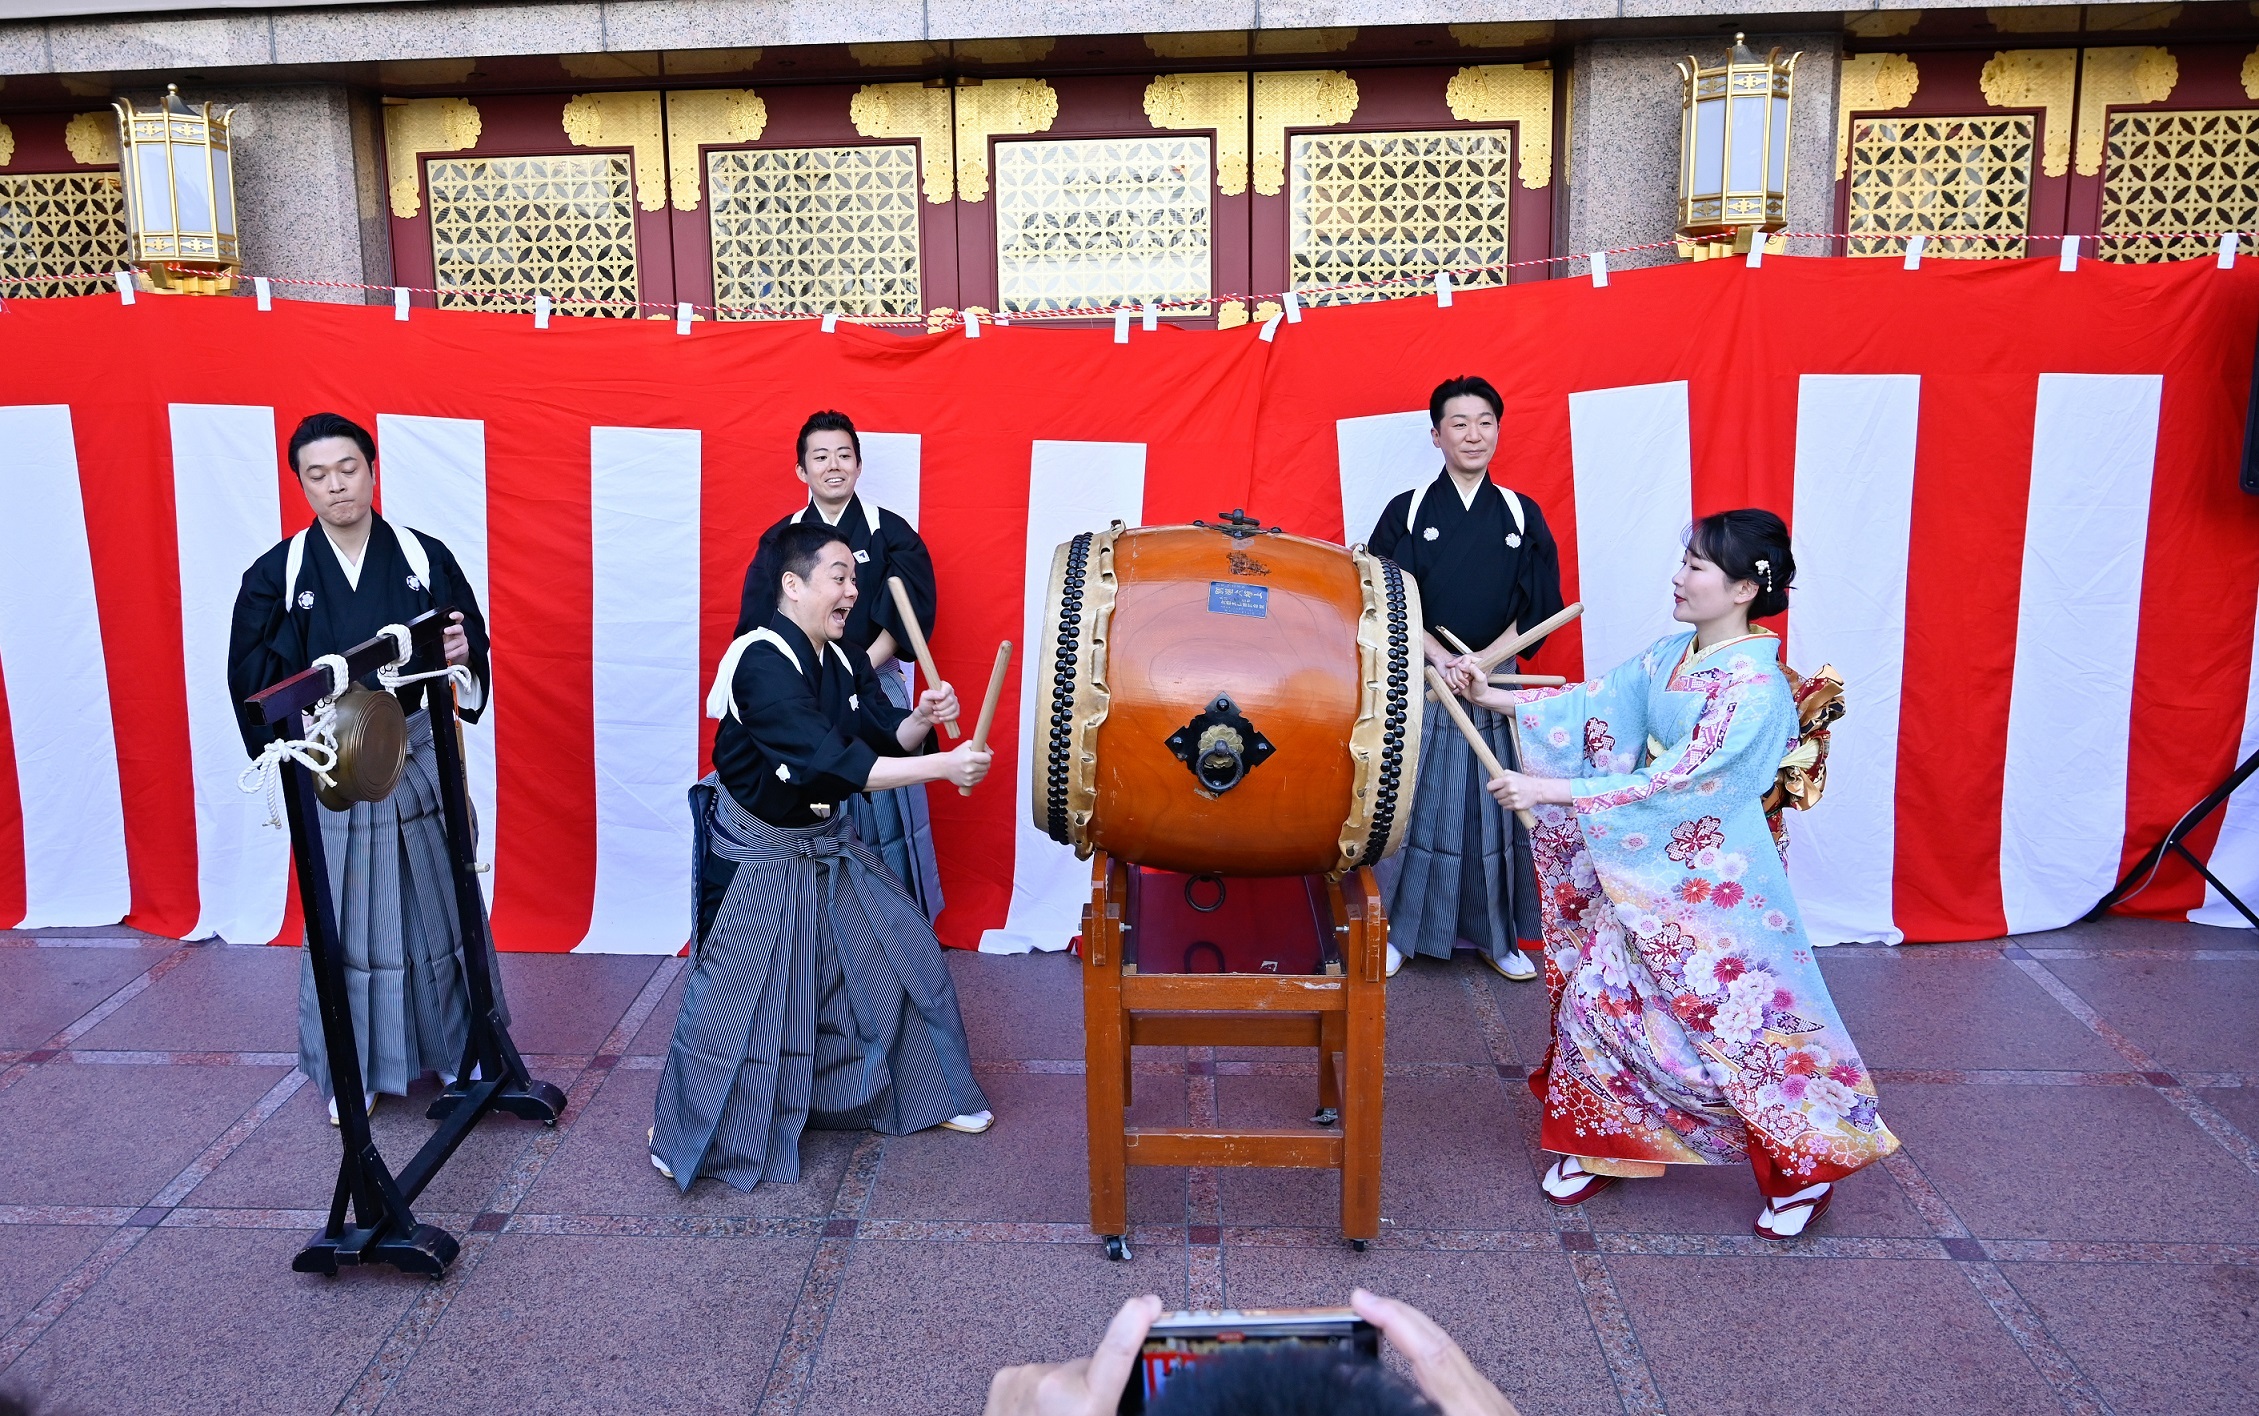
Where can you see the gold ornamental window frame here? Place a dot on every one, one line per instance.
(2129, 242)
(1954, 242)
(729, 309)
(1184, 303)
(49, 255)
(519, 295)
(1510, 130)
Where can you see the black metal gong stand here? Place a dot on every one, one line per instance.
(491, 1075)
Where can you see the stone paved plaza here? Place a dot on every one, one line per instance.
(2073, 1224)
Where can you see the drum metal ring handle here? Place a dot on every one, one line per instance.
(1205, 909)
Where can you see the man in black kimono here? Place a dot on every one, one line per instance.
(322, 591)
(896, 825)
(1486, 564)
(817, 994)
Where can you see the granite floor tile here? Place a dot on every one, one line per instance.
(36, 1257)
(919, 1329)
(2130, 932)
(97, 1134)
(291, 1161)
(1904, 1010)
(1758, 1337)
(1528, 1011)
(604, 1166)
(2162, 1340)
(2073, 1163)
(43, 991)
(1518, 1317)
(2239, 1104)
(1452, 1157)
(675, 1325)
(223, 998)
(1032, 1166)
(1019, 1006)
(568, 1003)
(659, 1029)
(196, 1321)
(2188, 1015)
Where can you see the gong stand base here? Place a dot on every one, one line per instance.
(371, 1216)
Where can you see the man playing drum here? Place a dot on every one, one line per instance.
(1486, 563)
(817, 995)
(895, 825)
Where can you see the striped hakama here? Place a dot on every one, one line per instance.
(394, 891)
(897, 825)
(1454, 879)
(818, 998)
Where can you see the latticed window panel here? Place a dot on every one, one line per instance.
(1966, 183)
(1392, 209)
(806, 230)
(60, 224)
(1084, 224)
(2194, 171)
(504, 229)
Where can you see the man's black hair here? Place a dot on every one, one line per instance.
(1734, 541)
(1464, 386)
(798, 547)
(830, 420)
(1288, 1381)
(331, 425)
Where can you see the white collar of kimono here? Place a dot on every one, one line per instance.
(1467, 501)
(870, 514)
(721, 698)
(351, 565)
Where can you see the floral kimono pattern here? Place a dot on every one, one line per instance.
(1690, 1022)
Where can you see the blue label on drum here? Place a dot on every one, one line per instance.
(1227, 598)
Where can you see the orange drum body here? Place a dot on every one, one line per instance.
(1224, 700)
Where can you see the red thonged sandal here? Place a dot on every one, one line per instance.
(1568, 1183)
(1810, 1207)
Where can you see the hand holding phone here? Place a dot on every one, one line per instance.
(1087, 1386)
(1442, 1370)
(1184, 1339)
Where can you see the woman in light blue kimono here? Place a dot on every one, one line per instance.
(1690, 1022)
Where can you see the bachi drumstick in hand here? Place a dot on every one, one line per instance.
(988, 704)
(1491, 659)
(1489, 759)
(917, 639)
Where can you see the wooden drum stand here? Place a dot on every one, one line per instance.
(1338, 1008)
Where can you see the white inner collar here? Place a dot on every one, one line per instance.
(1467, 495)
(818, 508)
(351, 565)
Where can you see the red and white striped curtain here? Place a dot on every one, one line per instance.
(2012, 490)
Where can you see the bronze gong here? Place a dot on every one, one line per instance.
(372, 748)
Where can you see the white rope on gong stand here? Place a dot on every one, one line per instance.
(316, 752)
(458, 676)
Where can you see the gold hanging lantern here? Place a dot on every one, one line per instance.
(1733, 163)
(180, 194)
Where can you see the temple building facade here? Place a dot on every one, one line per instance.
(905, 161)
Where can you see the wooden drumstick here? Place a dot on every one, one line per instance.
(917, 640)
(1489, 759)
(988, 704)
(1505, 680)
(1504, 652)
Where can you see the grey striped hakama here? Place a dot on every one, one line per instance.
(393, 888)
(1465, 871)
(817, 998)
(897, 825)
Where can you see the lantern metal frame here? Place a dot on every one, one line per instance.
(187, 241)
(1727, 200)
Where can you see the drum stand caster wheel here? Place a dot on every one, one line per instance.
(1326, 1116)
(1358, 1245)
(1117, 1248)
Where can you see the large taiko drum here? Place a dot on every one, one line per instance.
(1226, 700)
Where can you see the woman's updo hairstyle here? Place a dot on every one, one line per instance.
(1749, 544)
